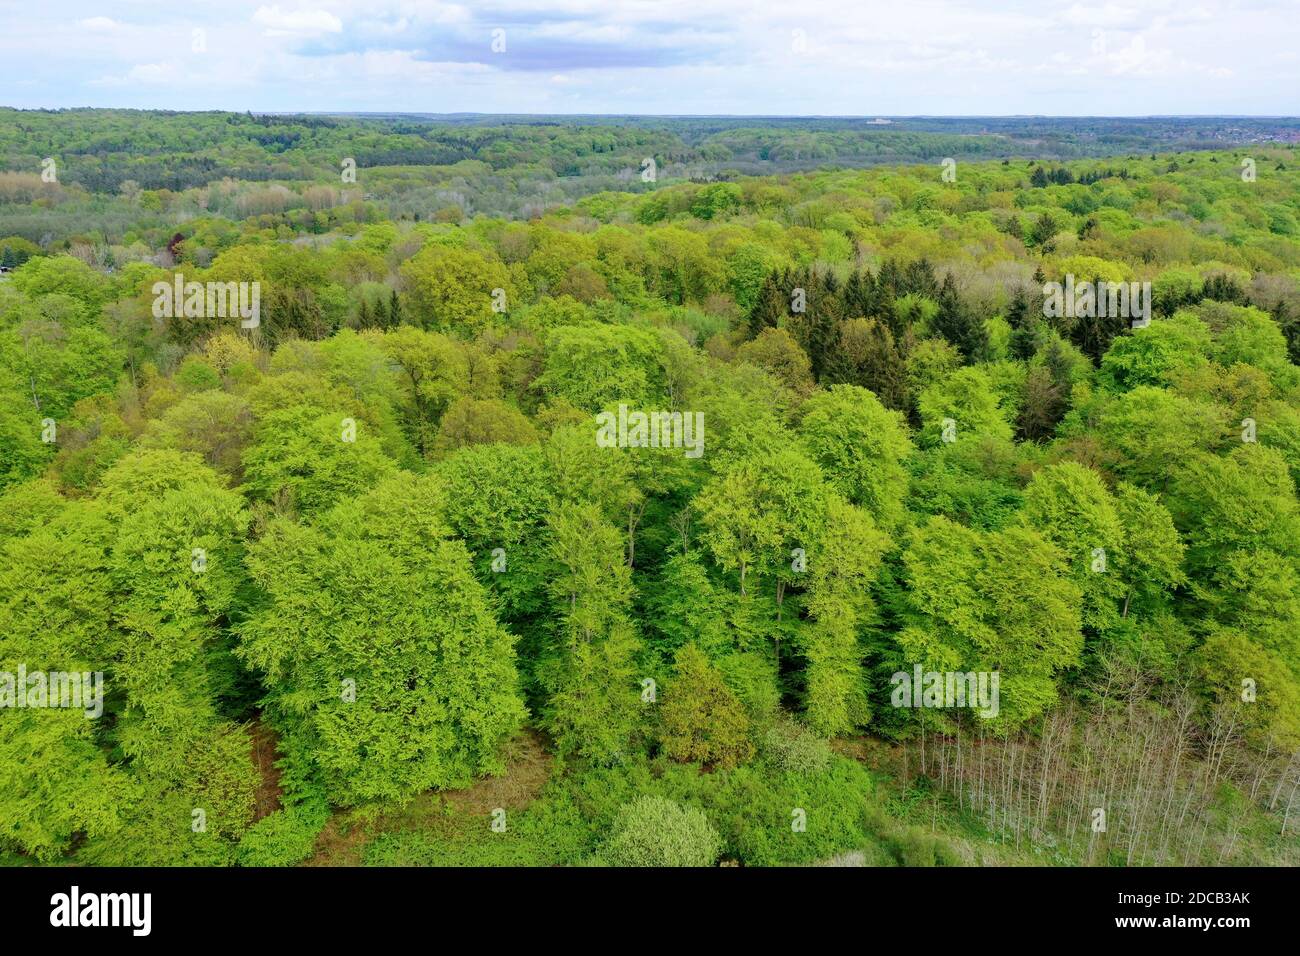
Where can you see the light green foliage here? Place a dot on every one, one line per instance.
(1226, 661)
(310, 461)
(841, 569)
(756, 813)
(471, 421)
(282, 838)
(55, 782)
(929, 363)
(430, 371)
(1151, 561)
(917, 846)
(1069, 506)
(597, 366)
(759, 510)
(652, 831)
(380, 530)
(498, 496)
(716, 199)
(682, 267)
(1157, 354)
(967, 397)
(686, 606)
(974, 482)
(163, 827)
(196, 375)
(862, 445)
(452, 289)
(594, 704)
(390, 670)
(1246, 335)
(1148, 429)
(170, 612)
(993, 601)
(63, 275)
(213, 424)
(23, 454)
(53, 367)
(747, 267)
(581, 471)
(1278, 427)
(1257, 592)
(1244, 501)
(119, 575)
(776, 352)
(54, 613)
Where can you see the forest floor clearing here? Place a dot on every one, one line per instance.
(528, 767)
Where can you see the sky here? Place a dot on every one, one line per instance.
(734, 57)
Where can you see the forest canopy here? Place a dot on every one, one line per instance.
(366, 555)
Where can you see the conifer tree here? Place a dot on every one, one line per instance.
(770, 307)
(700, 718)
(957, 323)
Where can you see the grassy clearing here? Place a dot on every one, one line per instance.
(864, 809)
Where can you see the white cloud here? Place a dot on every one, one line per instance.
(730, 56)
(385, 27)
(303, 23)
(143, 74)
(98, 24)
(1100, 15)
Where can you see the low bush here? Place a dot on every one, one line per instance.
(283, 838)
(653, 831)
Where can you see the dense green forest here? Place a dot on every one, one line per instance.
(366, 585)
(128, 176)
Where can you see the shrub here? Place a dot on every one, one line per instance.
(196, 375)
(849, 859)
(551, 831)
(755, 808)
(283, 838)
(915, 846)
(793, 748)
(653, 831)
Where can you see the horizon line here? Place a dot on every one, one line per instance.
(757, 116)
